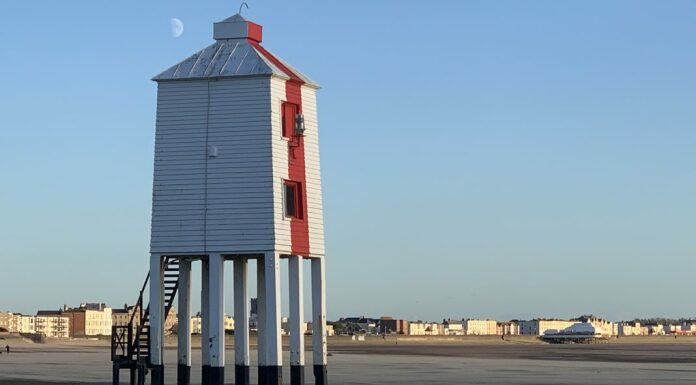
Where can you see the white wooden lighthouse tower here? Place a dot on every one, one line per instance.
(236, 178)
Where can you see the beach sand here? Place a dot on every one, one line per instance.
(404, 360)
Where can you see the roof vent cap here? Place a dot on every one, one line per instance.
(237, 27)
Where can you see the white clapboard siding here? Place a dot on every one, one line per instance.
(315, 214)
(205, 204)
(280, 166)
(280, 170)
(174, 199)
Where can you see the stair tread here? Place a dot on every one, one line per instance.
(139, 344)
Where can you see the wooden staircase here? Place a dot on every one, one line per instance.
(130, 344)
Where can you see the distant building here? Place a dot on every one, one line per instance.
(16, 323)
(654, 330)
(606, 328)
(454, 327)
(420, 328)
(538, 327)
(229, 323)
(6, 322)
(542, 326)
(123, 316)
(630, 329)
(285, 327)
(389, 325)
(369, 326)
(196, 324)
(25, 323)
(254, 314)
(688, 326)
(329, 329)
(477, 327)
(89, 320)
(366, 325)
(511, 328)
(51, 323)
(171, 322)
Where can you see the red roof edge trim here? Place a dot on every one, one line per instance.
(276, 62)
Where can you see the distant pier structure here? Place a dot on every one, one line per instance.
(236, 178)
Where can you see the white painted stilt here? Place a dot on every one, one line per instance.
(297, 346)
(241, 322)
(205, 307)
(274, 354)
(261, 320)
(216, 319)
(319, 321)
(157, 319)
(184, 324)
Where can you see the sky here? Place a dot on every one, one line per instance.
(480, 159)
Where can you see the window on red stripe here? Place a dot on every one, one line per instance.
(292, 199)
(289, 111)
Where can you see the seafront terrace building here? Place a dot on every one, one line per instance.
(606, 328)
(454, 327)
(17, 323)
(48, 323)
(89, 320)
(420, 328)
(542, 326)
(478, 327)
(688, 326)
(6, 322)
(389, 325)
(25, 323)
(121, 317)
(52, 324)
(538, 327)
(285, 327)
(229, 323)
(655, 330)
(197, 324)
(330, 332)
(511, 328)
(630, 329)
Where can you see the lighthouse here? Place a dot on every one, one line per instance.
(236, 178)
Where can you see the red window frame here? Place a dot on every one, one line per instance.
(289, 112)
(296, 199)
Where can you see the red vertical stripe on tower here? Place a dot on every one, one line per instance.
(299, 227)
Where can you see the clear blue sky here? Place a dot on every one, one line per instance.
(480, 158)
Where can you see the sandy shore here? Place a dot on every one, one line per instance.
(403, 360)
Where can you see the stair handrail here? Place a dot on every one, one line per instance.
(139, 303)
(133, 348)
(134, 333)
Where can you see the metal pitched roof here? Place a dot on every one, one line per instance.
(235, 19)
(227, 58)
(222, 58)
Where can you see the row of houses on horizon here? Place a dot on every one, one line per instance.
(92, 320)
(97, 319)
(489, 327)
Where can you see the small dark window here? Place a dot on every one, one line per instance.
(289, 112)
(293, 199)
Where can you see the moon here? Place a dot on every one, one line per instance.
(177, 27)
